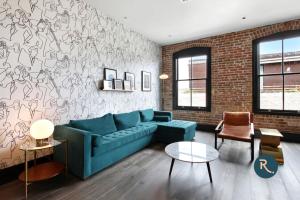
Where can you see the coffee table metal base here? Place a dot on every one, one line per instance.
(207, 164)
(209, 172)
(171, 167)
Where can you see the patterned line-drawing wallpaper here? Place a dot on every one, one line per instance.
(52, 55)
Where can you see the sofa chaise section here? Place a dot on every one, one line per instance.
(175, 130)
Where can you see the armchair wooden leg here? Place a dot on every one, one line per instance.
(222, 139)
(216, 139)
(252, 148)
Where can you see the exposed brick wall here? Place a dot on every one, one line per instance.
(231, 77)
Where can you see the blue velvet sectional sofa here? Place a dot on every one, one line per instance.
(94, 144)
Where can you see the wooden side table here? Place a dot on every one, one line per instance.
(270, 144)
(39, 172)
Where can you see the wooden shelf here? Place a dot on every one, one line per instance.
(118, 90)
(43, 171)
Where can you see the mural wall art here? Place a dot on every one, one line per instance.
(52, 56)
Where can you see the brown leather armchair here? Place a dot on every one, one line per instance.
(236, 126)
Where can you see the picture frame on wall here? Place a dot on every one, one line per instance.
(110, 74)
(127, 85)
(107, 85)
(130, 77)
(146, 81)
(118, 84)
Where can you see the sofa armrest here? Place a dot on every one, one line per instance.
(79, 149)
(161, 118)
(97, 140)
(164, 113)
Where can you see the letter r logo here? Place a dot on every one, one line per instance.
(265, 166)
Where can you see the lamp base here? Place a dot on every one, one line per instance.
(41, 142)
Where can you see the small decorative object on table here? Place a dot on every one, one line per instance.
(110, 74)
(118, 84)
(107, 85)
(127, 85)
(146, 81)
(270, 144)
(41, 130)
(130, 77)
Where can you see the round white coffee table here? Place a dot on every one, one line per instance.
(192, 152)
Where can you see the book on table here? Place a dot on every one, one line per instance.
(270, 140)
(276, 152)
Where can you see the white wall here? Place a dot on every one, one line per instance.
(52, 55)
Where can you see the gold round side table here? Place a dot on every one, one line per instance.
(39, 172)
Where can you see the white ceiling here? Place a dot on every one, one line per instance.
(171, 21)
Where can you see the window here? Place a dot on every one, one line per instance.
(192, 79)
(276, 79)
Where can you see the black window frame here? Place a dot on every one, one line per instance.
(256, 70)
(190, 52)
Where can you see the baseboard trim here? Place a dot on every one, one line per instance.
(291, 137)
(12, 173)
(287, 137)
(206, 127)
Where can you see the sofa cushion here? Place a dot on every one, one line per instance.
(101, 125)
(127, 120)
(147, 115)
(120, 138)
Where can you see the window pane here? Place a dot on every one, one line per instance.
(199, 93)
(199, 66)
(291, 55)
(184, 93)
(271, 92)
(292, 92)
(270, 57)
(184, 68)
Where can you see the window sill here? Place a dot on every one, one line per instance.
(276, 112)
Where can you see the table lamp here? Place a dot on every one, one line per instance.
(163, 77)
(41, 130)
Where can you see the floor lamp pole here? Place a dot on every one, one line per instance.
(162, 96)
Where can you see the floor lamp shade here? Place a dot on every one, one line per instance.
(41, 129)
(163, 76)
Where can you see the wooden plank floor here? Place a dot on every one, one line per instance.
(144, 176)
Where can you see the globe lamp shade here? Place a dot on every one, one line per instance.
(41, 130)
(163, 76)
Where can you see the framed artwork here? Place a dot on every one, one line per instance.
(130, 77)
(118, 83)
(107, 85)
(146, 81)
(127, 85)
(110, 74)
